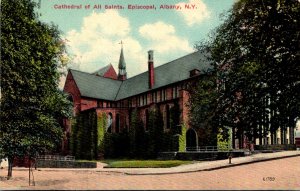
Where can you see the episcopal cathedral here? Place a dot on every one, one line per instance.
(106, 91)
(115, 94)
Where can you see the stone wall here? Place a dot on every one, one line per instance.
(64, 164)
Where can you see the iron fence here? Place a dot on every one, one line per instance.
(56, 157)
(207, 148)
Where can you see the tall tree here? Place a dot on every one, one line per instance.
(31, 54)
(256, 51)
(137, 136)
(156, 131)
(203, 108)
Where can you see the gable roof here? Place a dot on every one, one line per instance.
(103, 70)
(177, 70)
(94, 86)
(171, 72)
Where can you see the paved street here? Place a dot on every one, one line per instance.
(274, 174)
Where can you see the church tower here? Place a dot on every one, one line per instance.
(122, 75)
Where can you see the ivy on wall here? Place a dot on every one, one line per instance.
(182, 138)
(89, 139)
(138, 139)
(84, 136)
(101, 126)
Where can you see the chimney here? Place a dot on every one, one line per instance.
(150, 69)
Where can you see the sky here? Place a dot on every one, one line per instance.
(93, 35)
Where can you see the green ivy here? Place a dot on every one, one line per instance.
(223, 144)
(101, 126)
(84, 136)
(182, 138)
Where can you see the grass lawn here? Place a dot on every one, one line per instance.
(144, 163)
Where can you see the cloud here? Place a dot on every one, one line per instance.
(96, 44)
(194, 16)
(163, 38)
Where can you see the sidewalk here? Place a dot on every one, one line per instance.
(204, 165)
(195, 167)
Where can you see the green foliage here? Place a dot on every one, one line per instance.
(31, 104)
(84, 137)
(137, 136)
(182, 138)
(222, 142)
(101, 126)
(116, 145)
(203, 106)
(155, 132)
(256, 55)
(136, 143)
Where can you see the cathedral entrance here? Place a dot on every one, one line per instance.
(191, 140)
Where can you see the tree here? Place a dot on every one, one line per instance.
(156, 131)
(137, 137)
(256, 51)
(31, 55)
(203, 108)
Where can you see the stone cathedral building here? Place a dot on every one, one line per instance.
(115, 94)
(163, 86)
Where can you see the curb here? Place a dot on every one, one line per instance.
(164, 173)
(211, 169)
(251, 162)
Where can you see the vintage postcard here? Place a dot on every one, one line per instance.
(150, 95)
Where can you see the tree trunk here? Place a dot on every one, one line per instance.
(29, 165)
(10, 166)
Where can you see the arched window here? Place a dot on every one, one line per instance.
(109, 122)
(191, 140)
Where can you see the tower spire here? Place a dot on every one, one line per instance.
(122, 65)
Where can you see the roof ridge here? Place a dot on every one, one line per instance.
(164, 64)
(139, 73)
(93, 75)
(118, 90)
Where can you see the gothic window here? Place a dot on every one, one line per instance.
(163, 95)
(154, 97)
(109, 122)
(175, 92)
(145, 99)
(100, 103)
(141, 100)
